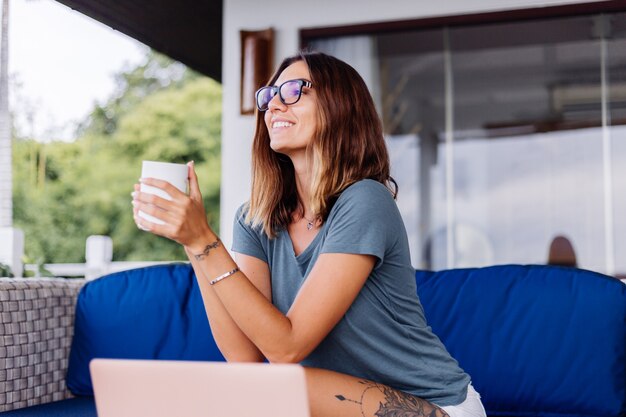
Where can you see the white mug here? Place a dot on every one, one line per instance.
(175, 174)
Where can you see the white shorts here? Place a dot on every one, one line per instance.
(471, 407)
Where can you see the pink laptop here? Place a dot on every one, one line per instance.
(138, 388)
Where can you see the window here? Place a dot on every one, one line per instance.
(504, 136)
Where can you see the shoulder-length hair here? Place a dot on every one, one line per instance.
(348, 146)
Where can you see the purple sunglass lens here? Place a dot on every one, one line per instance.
(290, 91)
(264, 97)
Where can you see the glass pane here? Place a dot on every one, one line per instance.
(616, 53)
(404, 72)
(528, 154)
(412, 91)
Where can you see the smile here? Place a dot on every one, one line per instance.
(281, 124)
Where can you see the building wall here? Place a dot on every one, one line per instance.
(287, 18)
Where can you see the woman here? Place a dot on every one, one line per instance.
(322, 272)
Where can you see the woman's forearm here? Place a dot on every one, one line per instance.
(240, 323)
(232, 342)
(262, 324)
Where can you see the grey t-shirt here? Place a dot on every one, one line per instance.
(383, 336)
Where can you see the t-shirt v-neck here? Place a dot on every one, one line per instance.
(305, 255)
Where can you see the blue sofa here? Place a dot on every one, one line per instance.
(537, 340)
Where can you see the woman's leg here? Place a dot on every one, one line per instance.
(332, 394)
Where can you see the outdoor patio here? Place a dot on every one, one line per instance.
(505, 124)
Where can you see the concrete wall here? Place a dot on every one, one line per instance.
(287, 18)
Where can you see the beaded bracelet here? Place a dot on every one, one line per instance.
(224, 276)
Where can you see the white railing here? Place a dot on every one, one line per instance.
(83, 270)
(99, 255)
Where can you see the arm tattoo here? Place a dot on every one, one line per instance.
(206, 250)
(397, 403)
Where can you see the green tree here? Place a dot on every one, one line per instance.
(184, 125)
(132, 87)
(64, 192)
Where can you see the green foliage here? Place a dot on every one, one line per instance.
(132, 87)
(5, 271)
(39, 264)
(64, 192)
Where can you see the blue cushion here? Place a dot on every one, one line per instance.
(536, 340)
(74, 407)
(147, 313)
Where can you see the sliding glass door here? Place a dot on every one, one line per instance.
(508, 140)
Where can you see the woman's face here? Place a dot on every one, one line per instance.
(291, 127)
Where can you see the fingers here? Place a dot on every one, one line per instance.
(149, 226)
(172, 213)
(152, 211)
(153, 199)
(150, 204)
(166, 211)
(169, 217)
(172, 227)
(183, 216)
(133, 195)
(163, 185)
(194, 187)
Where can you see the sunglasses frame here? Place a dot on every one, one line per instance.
(276, 89)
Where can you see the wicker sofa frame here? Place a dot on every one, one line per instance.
(36, 328)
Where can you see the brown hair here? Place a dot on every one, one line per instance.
(347, 147)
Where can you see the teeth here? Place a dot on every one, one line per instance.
(282, 124)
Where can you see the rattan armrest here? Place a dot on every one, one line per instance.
(36, 328)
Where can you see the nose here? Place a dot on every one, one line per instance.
(276, 104)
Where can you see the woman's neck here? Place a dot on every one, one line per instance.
(303, 183)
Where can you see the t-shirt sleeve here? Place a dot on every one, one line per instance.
(246, 240)
(365, 221)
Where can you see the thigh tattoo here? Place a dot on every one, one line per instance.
(396, 403)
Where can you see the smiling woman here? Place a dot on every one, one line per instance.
(321, 274)
(339, 147)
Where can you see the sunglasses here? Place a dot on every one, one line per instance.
(289, 92)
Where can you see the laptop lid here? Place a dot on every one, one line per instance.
(125, 388)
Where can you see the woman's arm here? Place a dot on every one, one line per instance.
(232, 342)
(328, 292)
(324, 298)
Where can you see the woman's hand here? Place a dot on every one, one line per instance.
(184, 216)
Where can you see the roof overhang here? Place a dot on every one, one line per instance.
(189, 31)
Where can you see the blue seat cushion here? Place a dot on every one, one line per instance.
(74, 407)
(147, 313)
(536, 340)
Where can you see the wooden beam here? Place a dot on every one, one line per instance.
(189, 31)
